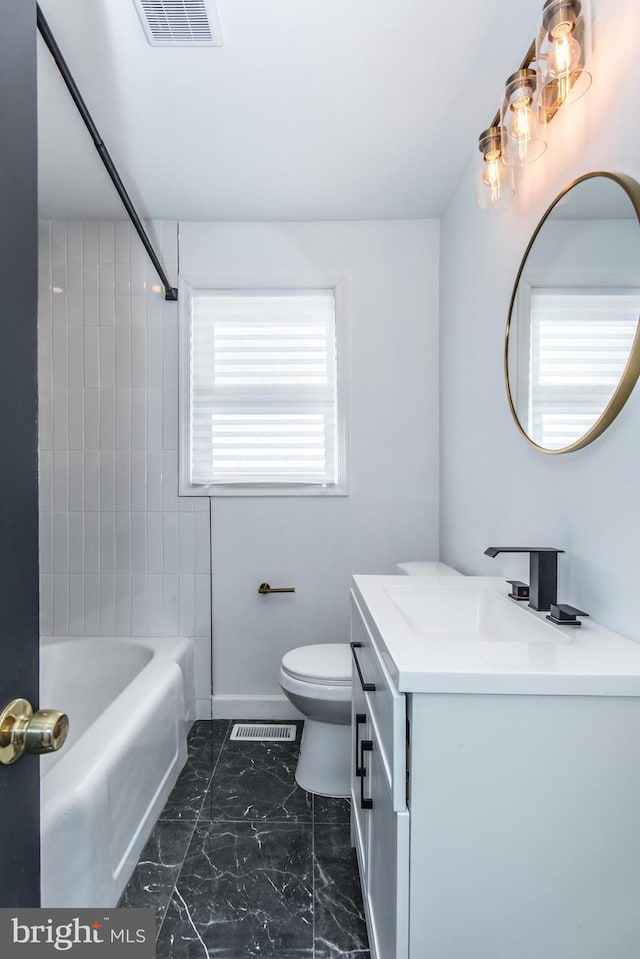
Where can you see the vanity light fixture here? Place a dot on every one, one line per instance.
(554, 71)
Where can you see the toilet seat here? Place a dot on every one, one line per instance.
(328, 664)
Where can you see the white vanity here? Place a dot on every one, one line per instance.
(496, 776)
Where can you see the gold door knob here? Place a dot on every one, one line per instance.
(22, 730)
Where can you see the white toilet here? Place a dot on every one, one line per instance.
(317, 680)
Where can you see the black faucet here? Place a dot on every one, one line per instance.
(543, 572)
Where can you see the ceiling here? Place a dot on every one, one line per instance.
(340, 109)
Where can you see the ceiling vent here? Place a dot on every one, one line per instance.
(180, 23)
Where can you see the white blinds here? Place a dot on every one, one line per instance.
(580, 343)
(263, 387)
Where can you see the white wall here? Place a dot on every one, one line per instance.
(391, 513)
(120, 554)
(495, 489)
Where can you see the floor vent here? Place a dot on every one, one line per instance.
(263, 733)
(187, 23)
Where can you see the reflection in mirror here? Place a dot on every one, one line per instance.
(572, 355)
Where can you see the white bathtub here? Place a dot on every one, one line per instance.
(130, 704)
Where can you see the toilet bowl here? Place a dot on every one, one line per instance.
(317, 680)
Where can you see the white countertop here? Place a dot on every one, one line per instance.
(588, 660)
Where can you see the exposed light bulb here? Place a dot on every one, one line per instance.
(493, 175)
(563, 58)
(521, 125)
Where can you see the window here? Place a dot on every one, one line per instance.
(580, 343)
(262, 412)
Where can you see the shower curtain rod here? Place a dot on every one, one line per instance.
(171, 293)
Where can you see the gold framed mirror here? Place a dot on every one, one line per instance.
(572, 345)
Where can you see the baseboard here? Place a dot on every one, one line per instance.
(253, 707)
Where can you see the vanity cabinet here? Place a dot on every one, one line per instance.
(492, 826)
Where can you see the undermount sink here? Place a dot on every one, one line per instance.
(469, 613)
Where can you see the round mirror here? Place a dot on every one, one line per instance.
(572, 353)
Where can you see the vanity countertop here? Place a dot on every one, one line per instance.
(470, 640)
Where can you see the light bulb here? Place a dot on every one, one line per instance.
(493, 175)
(521, 125)
(563, 58)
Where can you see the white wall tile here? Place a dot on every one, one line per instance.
(60, 481)
(138, 481)
(138, 357)
(202, 531)
(44, 243)
(123, 605)
(187, 602)
(91, 480)
(59, 297)
(106, 294)
(45, 354)
(170, 499)
(123, 420)
(76, 481)
(75, 297)
(107, 481)
(123, 357)
(58, 242)
(91, 356)
(123, 543)
(154, 480)
(60, 604)
(154, 356)
(202, 609)
(107, 419)
(123, 294)
(91, 401)
(60, 542)
(45, 481)
(154, 420)
(76, 604)
(138, 419)
(154, 605)
(170, 542)
(60, 355)
(107, 346)
(186, 543)
(92, 604)
(60, 419)
(170, 419)
(154, 542)
(76, 357)
(76, 543)
(90, 295)
(202, 658)
(170, 605)
(107, 605)
(92, 542)
(138, 542)
(139, 605)
(107, 542)
(76, 419)
(123, 481)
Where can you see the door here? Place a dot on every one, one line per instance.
(19, 782)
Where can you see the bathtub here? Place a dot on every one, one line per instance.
(130, 704)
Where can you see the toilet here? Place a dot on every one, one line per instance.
(317, 680)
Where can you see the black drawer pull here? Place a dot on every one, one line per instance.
(366, 687)
(360, 719)
(366, 746)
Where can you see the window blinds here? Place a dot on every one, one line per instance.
(263, 388)
(580, 343)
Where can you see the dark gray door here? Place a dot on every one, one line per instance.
(19, 783)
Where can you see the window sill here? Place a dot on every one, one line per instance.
(220, 490)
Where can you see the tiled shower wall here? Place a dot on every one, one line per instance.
(120, 553)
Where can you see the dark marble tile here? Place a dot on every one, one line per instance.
(340, 930)
(245, 889)
(206, 739)
(185, 800)
(155, 875)
(327, 809)
(256, 781)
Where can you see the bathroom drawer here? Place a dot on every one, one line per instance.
(385, 706)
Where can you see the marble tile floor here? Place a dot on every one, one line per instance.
(242, 862)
